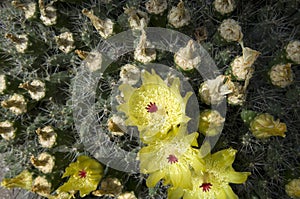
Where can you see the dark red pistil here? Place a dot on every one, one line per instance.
(82, 174)
(206, 187)
(172, 159)
(151, 108)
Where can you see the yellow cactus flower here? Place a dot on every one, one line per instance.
(85, 175)
(154, 107)
(171, 159)
(265, 126)
(212, 182)
(23, 180)
(211, 122)
(293, 188)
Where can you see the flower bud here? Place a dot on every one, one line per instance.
(104, 27)
(293, 188)
(230, 30)
(44, 162)
(214, 91)
(130, 74)
(187, 57)
(65, 42)
(211, 122)
(41, 186)
(35, 88)
(179, 16)
(16, 104)
(156, 6)
(141, 53)
(264, 126)
(47, 136)
(281, 75)
(224, 6)
(293, 51)
(7, 130)
(48, 13)
(137, 19)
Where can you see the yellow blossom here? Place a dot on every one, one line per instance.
(23, 180)
(293, 188)
(171, 159)
(85, 175)
(264, 126)
(212, 182)
(154, 107)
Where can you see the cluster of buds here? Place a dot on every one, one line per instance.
(281, 73)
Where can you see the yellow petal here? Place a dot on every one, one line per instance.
(229, 193)
(180, 175)
(224, 158)
(175, 193)
(127, 91)
(236, 177)
(23, 180)
(153, 178)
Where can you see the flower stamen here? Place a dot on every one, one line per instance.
(151, 108)
(82, 174)
(172, 159)
(206, 187)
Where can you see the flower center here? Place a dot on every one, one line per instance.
(82, 174)
(151, 108)
(172, 159)
(206, 187)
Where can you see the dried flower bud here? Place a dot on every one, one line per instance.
(141, 53)
(41, 186)
(30, 9)
(238, 96)
(281, 75)
(130, 74)
(109, 187)
(7, 130)
(264, 126)
(242, 66)
(293, 188)
(21, 42)
(48, 13)
(47, 136)
(15, 104)
(230, 30)
(104, 27)
(127, 195)
(94, 61)
(211, 122)
(44, 162)
(65, 42)
(214, 91)
(23, 180)
(35, 88)
(293, 51)
(63, 195)
(81, 54)
(156, 6)
(179, 16)
(137, 19)
(187, 57)
(224, 6)
(2, 84)
(116, 125)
